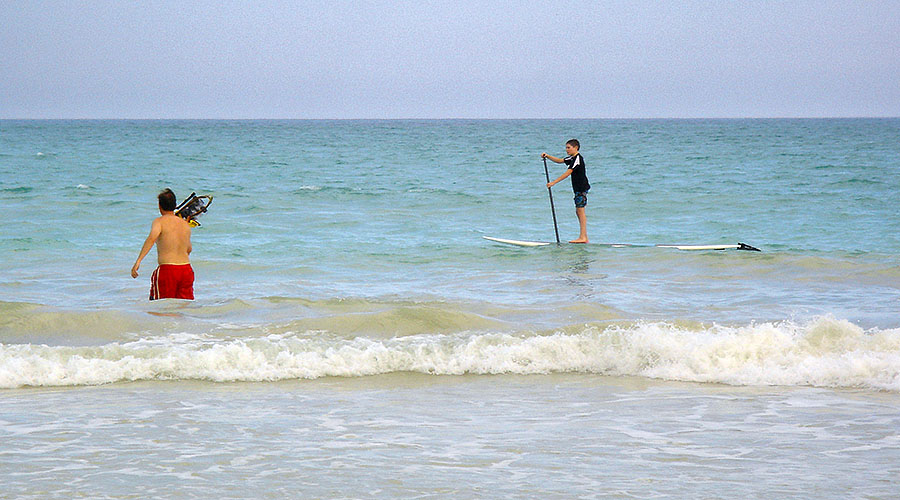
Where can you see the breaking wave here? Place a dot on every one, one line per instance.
(825, 352)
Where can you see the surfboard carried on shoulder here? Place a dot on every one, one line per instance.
(520, 243)
(192, 207)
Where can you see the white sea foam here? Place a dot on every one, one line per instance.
(826, 352)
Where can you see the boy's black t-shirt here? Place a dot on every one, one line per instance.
(580, 182)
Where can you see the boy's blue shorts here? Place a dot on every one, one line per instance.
(581, 200)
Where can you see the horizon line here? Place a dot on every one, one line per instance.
(454, 118)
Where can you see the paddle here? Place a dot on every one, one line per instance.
(552, 208)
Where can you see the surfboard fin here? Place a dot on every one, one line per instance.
(744, 246)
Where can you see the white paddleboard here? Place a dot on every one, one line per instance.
(518, 242)
(700, 247)
(739, 246)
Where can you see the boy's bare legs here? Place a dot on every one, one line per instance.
(582, 222)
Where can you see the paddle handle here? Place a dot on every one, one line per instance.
(552, 207)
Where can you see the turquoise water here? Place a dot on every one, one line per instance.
(395, 209)
(342, 262)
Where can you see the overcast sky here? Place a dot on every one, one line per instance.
(462, 59)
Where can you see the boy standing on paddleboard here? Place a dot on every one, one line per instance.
(174, 278)
(575, 168)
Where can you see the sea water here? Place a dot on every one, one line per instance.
(354, 335)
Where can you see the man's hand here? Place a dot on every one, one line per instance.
(134, 269)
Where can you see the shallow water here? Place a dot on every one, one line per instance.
(404, 435)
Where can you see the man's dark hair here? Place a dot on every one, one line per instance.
(167, 200)
(574, 142)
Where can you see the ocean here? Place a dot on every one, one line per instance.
(354, 336)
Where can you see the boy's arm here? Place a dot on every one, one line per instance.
(552, 158)
(155, 230)
(567, 173)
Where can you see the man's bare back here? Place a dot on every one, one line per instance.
(172, 236)
(174, 243)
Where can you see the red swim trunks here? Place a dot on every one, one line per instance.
(172, 281)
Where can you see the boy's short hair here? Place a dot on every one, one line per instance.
(574, 142)
(166, 200)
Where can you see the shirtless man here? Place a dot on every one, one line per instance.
(174, 278)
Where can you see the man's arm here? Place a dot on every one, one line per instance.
(155, 230)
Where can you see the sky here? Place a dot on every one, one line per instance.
(449, 59)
